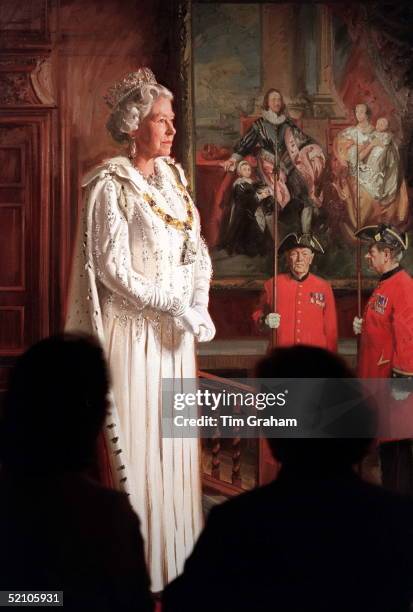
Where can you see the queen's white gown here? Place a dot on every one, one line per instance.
(125, 248)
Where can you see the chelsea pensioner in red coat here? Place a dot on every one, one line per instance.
(306, 311)
(386, 346)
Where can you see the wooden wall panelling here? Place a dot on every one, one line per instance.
(25, 221)
(26, 168)
(24, 24)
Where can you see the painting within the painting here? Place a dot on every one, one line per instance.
(294, 117)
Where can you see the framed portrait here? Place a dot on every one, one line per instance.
(299, 123)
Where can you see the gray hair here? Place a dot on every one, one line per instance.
(127, 117)
(396, 253)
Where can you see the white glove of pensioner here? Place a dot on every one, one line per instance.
(399, 394)
(357, 325)
(401, 387)
(273, 320)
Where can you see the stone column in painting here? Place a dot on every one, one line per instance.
(278, 50)
(326, 102)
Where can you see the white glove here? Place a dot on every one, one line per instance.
(357, 325)
(191, 321)
(207, 329)
(401, 388)
(161, 300)
(273, 320)
(399, 394)
(205, 334)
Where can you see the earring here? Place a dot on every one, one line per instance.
(132, 149)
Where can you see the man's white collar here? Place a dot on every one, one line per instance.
(272, 117)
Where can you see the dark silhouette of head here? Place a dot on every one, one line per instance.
(331, 453)
(55, 405)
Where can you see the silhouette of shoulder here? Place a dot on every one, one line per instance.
(293, 545)
(77, 536)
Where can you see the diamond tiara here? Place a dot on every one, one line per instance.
(130, 83)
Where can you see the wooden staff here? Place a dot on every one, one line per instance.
(358, 221)
(274, 334)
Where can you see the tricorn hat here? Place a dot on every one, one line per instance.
(296, 240)
(384, 234)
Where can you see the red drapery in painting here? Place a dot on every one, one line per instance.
(373, 73)
(360, 84)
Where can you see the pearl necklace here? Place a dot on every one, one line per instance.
(154, 180)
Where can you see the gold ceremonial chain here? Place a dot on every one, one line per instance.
(189, 249)
(184, 226)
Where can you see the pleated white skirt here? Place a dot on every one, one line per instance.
(165, 471)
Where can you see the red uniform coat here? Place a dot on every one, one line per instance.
(386, 343)
(307, 309)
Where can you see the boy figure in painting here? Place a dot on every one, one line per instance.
(306, 311)
(246, 231)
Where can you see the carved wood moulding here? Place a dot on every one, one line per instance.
(15, 89)
(24, 24)
(24, 47)
(257, 284)
(26, 81)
